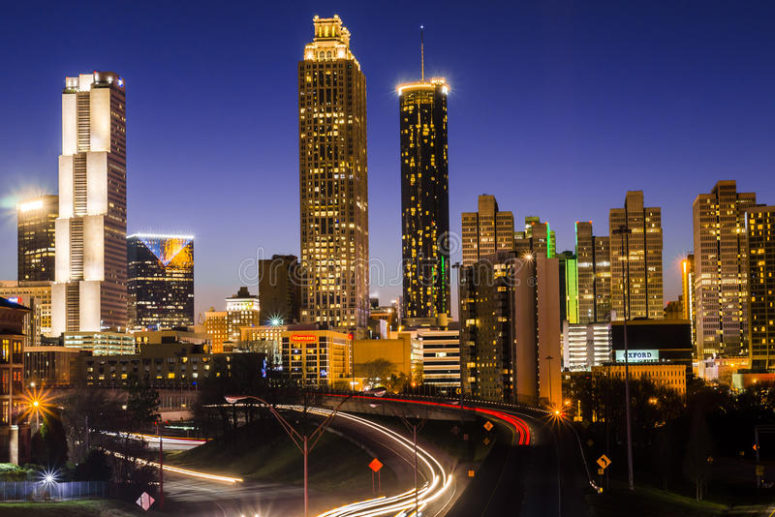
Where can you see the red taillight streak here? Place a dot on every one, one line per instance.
(520, 426)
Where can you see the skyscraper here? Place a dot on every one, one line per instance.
(593, 255)
(760, 232)
(537, 239)
(569, 287)
(160, 281)
(642, 267)
(36, 244)
(720, 262)
(333, 180)
(90, 289)
(486, 231)
(279, 290)
(424, 198)
(688, 306)
(510, 329)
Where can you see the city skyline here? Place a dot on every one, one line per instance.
(671, 170)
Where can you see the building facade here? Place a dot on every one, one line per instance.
(217, 329)
(37, 297)
(510, 329)
(424, 198)
(593, 256)
(586, 345)
(279, 290)
(439, 351)
(14, 322)
(318, 357)
(688, 305)
(538, 238)
(760, 230)
(36, 246)
(720, 270)
(333, 180)
(160, 282)
(486, 231)
(636, 259)
(242, 310)
(90, 289)
(569, 287)
(100, 343)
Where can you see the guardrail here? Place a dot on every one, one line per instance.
(51, 490)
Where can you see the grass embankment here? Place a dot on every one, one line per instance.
(261, 451)
(651, 502)
(83, 508)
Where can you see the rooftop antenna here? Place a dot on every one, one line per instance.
(422, 55)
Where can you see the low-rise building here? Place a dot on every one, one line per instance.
(665, 375)
(586, 345)
(398, 352)
(37, 297)
(318, 357)
(100, 343)
(50, 366)
(439, 354)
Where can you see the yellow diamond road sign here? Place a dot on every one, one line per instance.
(488, 425)
(603, 461)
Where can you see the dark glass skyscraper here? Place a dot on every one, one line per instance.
(36, 243)
(161, 280)
(424, 199)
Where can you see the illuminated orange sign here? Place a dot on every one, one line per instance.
(304, 337)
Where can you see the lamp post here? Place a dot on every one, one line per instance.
(304, 442)
(625, 232)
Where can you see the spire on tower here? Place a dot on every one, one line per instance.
(422, 55)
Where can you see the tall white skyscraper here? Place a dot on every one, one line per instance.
(89, 292)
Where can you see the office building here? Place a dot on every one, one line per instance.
(89, 293)
(279, 290)
(396, 351)
(636, 259)
(160, 282)
(37, 297)
(593, 259)
(424, 199)
(265, 339)
(586, 345)
(688, 305)
(439, 353)
(318, 357)
(333, 181)
(14, 322)
(49, 366)
(660, 340)
(537, 239)
(720, 270)
(217, 329)
(100, 343)
(486, 231)
(569, 287)
(36, 219)
(510, 329)
(760, 230)
(242, 310)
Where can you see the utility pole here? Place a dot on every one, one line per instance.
(415, 428)
(304, 441)
(161, 467)
(625, 232)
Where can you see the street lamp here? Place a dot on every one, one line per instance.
(304, 442)
(625, 232)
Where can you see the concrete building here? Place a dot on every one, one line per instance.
(50, 366)
(36, 218)
(439, 354)
(279, 290)
(89, 293)
(486, 231)
(688, 304)
(510, 329)
(760, 233)
(398, 352)
(333, 181)
(586, 345)
(720, 270)
(424, 199)
(537, 239)
(100, 343)
(37, 297)
(593, 256)
(318, 357)
(641, 268)
(160, 283)
(242, 310)
(266, 339)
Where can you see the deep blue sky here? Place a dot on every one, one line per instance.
(557, 107)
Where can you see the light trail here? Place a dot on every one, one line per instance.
(183, 472)
(437, 484)
(403, 504)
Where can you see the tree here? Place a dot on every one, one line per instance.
(698, 459)
(377, 371)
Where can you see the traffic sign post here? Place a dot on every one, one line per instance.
(604, 462)
(375, 465)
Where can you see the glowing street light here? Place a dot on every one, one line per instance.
(37, 401)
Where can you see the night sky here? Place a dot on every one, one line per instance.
(557, 108)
